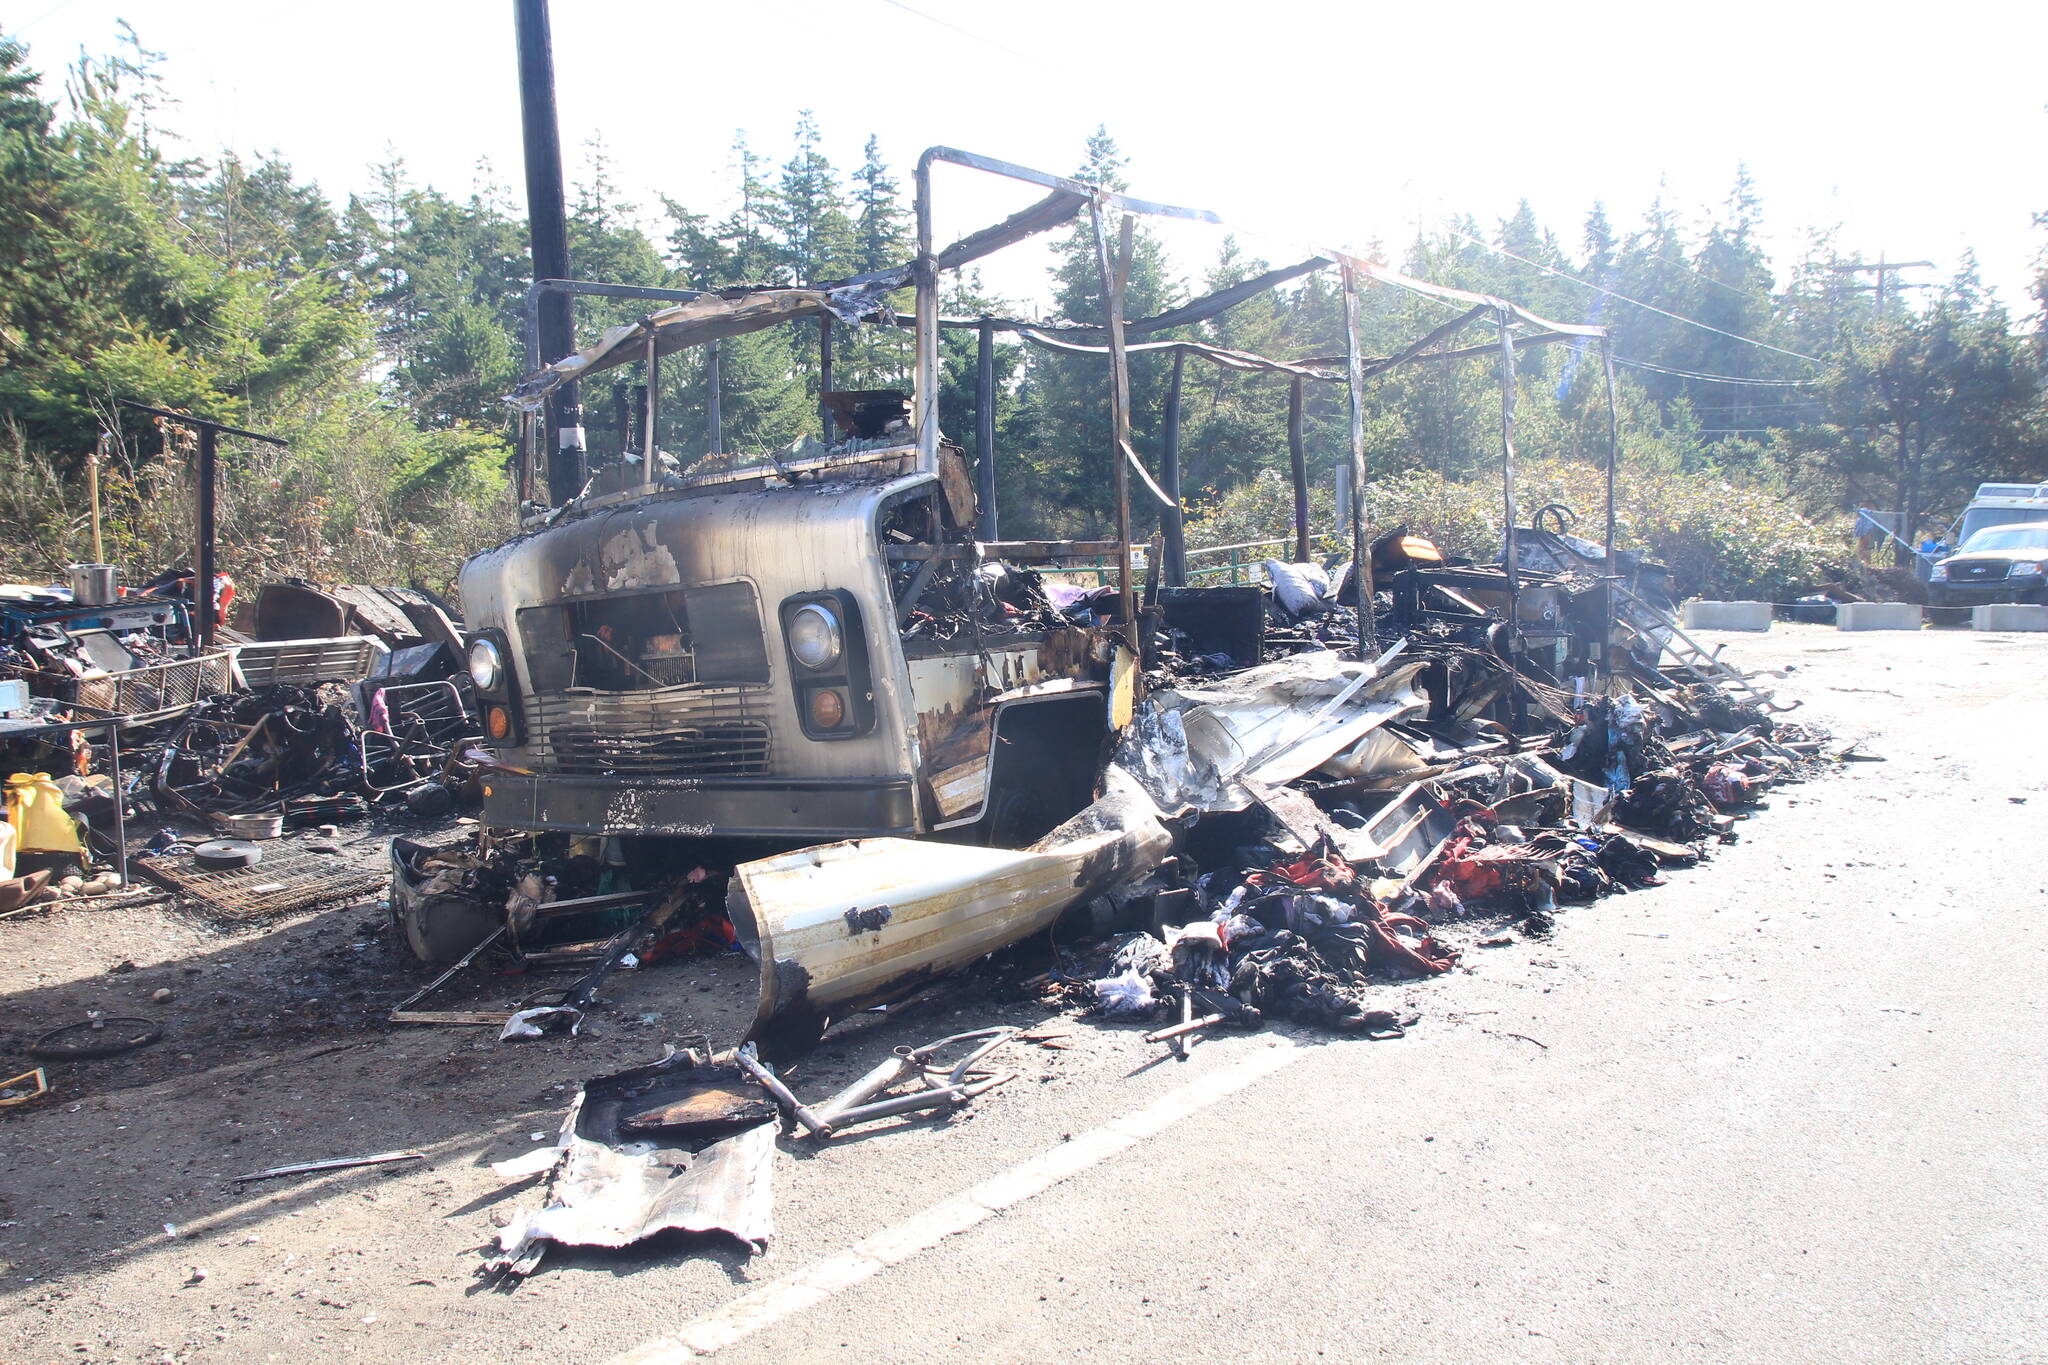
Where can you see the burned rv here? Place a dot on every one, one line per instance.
(780, 674)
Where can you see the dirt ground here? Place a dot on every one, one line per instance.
(123, 1236)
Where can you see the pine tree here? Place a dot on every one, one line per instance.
(1073, 474)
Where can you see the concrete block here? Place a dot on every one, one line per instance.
(1877, 616)
(1727, 616)
(2009, 616)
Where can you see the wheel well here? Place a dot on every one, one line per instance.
(1053, 747)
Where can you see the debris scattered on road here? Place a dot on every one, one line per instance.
(28, 1086)
(617, 1175)
(333, 1164)
(95, 1036)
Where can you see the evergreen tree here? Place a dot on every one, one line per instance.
(1071, 462)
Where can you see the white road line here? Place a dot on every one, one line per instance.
(793, 1293)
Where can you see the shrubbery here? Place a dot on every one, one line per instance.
(1722, 539)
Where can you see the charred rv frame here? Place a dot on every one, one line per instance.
(734, 655)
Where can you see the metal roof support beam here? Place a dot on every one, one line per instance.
(1511, 555)
(1297, 470)
(1115, 274)
(1175, 528)
(1354, 377)
(985, 432)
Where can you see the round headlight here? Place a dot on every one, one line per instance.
(486, 664)
(814, 635)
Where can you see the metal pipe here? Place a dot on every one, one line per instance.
(893, 1071)
(1507, 473)
(1176, 1036)
(990, 1040)
(1354, 377)
(648, 445)
(202, 569)
(335, 1164)
(985, 430)
(1119, 401)
(714, 413)
(935, 1098)
(824, 377)
(548, 234)
(1183, 1028)
(1174, 523)
(120, 811)
(92, 495)
(1297, 468)
(925, 275)
(1511, 553)
(530, 309)
(1613, 459)
(769, 1082)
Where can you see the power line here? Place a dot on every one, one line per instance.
(1647, 307)
(1720, 378)
(965, 33)
(46, 14)
(1759, 407)
(1739, 290)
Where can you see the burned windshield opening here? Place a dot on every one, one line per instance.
(671, 637)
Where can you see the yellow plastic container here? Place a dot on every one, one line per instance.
(35, 808)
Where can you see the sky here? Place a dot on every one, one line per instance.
(1917, 130)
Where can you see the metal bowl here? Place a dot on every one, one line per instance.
(251, 826)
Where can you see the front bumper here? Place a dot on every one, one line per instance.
(1981, 594)
(814, 809)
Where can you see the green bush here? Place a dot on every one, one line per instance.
(1721, 538)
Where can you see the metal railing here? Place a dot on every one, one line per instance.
(1236, 561)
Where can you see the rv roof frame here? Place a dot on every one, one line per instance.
(1066, 200)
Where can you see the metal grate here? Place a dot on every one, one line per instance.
(286, 880)
(159, 690)
(687, 732)
(347, 658)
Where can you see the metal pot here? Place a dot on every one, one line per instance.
(95, 585)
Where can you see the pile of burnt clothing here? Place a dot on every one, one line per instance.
(1490, 868)
(1682, 762)
(1294, 940)
(1618, 746)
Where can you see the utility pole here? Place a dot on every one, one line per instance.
(1884, 270)
(1904, 494)
(549, 232)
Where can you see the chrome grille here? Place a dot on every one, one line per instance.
(660, 732)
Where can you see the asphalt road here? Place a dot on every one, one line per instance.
(1790, 1107)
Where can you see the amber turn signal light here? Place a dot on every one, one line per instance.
(497, 722)
(828, 708)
